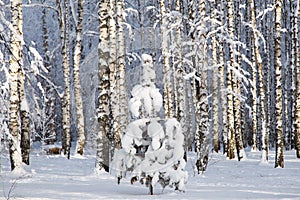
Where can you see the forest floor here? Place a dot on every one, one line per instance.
(55, 177)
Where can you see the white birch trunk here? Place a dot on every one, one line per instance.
(259, 63)
(64, 27)
(103, 110)
(123, 109)
(77, 86)
(279, 161)
(114, 82)
(202, 133)
(223, 89)
(15, 64)
(296, 53)
(215, 100)
(230, 103)
(181, 109)
(168, 103)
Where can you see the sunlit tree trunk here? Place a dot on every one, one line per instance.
(16, 81)
(77, 86)
(238, 111)
(230, 100)
(259, 63)
(121, 66)
(103, 110)
(65, 51)
(279, 161)
(223, 89)
(113, 69)
(168, 102)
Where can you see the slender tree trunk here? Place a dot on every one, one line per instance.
(102, 156)
(50, 99)
(16, 81)
(223, 89)
(25, 132)
(215, 99)
(230, 100)
(121, 75)
(114, 82)
(296, 52)
(181, 109)
(259, 63)
(202, 133)
(168, 103)
(64, 27)
(77, 85)
(279, 161)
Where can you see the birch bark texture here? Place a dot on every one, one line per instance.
(259, 63)
(168, 103)
(202, 132)
(16, 76)
(230, 103)
(77, 86)
(296, 51)
(279, 161)
(103, 110)
(63, 12)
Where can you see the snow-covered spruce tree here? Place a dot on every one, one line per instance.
(152, 148)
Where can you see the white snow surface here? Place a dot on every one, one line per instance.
(55, 178)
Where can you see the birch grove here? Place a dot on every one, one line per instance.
(228, 71)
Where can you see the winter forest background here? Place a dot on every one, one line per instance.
(133, 77)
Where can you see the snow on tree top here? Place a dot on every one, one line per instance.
(146, 58)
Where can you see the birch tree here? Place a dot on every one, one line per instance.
(121, 68)
(113, 69)
(78, 96)
(181, 109)
(103, 110)
(222, 72)
(296, 62)
(16, 81)
(202, 133)
(279, 162)
(230, 105)
(259, 63)
(49, 102)
(64, 27)
(215, 99)
(168, 103)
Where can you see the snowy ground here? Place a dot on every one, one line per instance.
(55, 177)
